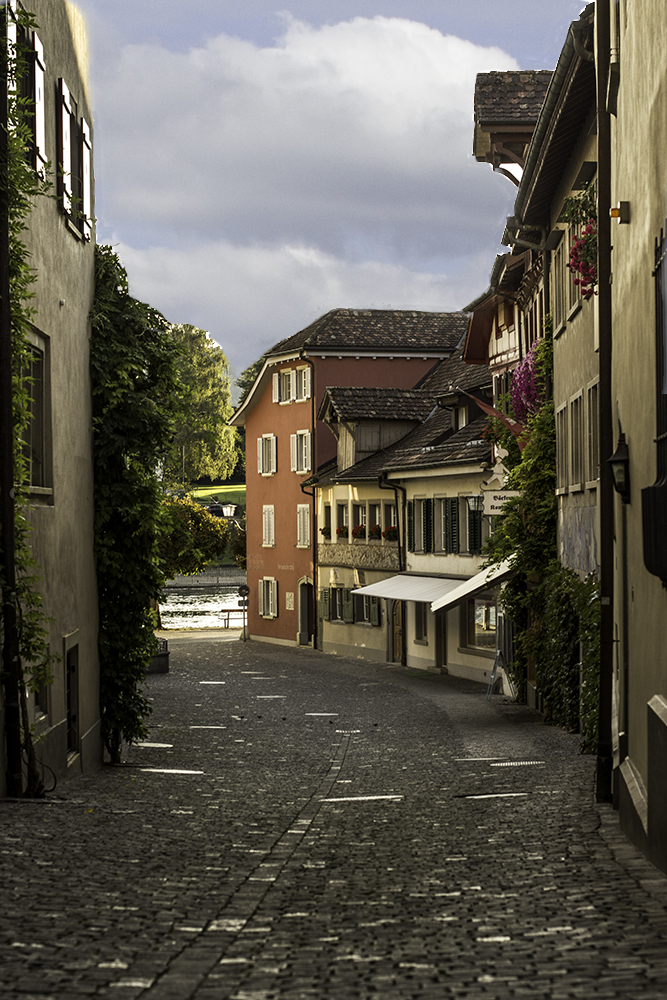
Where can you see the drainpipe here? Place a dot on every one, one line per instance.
(384, 485)
(606, 492)
(10, 650)
(313, 457)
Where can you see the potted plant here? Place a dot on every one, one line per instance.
(375, 533)
(325, 531)
(390, 534)
(341, 531)
(359, 531)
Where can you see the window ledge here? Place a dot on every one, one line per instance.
(559, 330)
(592, 484)
(574, 310)
(40, 496)
(420, 642)
(561, 491)
(488, 654)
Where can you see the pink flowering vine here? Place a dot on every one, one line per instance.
(527, 389)
(584, 259)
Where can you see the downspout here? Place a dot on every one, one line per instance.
(10, 649)
(606, 497)
(313, 460)
(395, 487)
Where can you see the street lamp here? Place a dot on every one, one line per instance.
(620, 469)
(475, 502)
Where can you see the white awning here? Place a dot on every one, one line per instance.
(412, 588)
(489, 577)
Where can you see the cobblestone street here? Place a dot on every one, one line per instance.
(305, 826)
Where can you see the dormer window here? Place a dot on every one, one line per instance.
(460, 417)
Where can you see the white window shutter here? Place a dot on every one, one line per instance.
(274, 598)
(274, 453)
(272, 527)
(65, 157)
(86, 180)
(260, 594)
(275, 380)
(292, 384)
(292, 451)
(40, 103)
(265, 526)
(306, 383)
(260, 452)
(309, 460)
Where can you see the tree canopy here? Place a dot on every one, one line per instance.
(204, 444)
(189, 537)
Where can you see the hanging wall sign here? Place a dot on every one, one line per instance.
(494, 501)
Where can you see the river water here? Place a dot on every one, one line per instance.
(200, 606)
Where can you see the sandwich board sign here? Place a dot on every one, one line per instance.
(495, 500)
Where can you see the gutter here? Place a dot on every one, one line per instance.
(313, 520)
(384, 485)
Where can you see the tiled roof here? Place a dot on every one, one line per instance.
(454, 373)
(364, 403)
(512, 97)
(382, 329)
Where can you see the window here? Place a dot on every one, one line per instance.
(300, 451)
(574, 291)
(562, 474)
(560, 281)
(577, 443)
(302, 388)
(326, 530)
(268, 526)
(593, 450)
(390, 520)
(374, 520)
(303, 526)
(267, 454)
(449, 524)
(341, 605)
(284, 386)
(481, 623)
(366, 609)
(359, 520)
(26, 44)
(460, 417)
(34, 433)
(421, 622)
(74, 163)
(268, 597)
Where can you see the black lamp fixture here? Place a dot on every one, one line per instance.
(475, 502)
(620, 469)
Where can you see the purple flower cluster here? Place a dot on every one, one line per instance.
(527, 390)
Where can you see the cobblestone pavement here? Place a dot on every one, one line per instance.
(303, 826)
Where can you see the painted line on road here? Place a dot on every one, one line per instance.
(213, 682)
(497, 795)
(169, 770)
(363, 798)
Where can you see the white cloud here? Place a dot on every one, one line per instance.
(252, 188)
(249, 298)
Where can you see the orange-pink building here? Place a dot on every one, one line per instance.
(285, 443)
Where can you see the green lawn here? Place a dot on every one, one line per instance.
(223, 494)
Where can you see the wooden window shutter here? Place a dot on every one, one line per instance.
(292, 384)
(40, 105)
(411, 526)
(274, 453)
(275, 383)
(375, 611)
(306, 383)
(260, 595)
(292, 451)
(86, 181)
(260, 454)
(427, 525)
(273, 590)
(451, 524)
(348, 606)
(65, 151)
(325, 604)
(307, 449)
(475, 531)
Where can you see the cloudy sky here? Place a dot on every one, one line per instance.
(257, 165)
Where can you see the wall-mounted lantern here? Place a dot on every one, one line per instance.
(475, 503)
(620, 469)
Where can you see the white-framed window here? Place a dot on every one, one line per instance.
(300, 451)
(74, 163)
(479, 623)
(593, 449)
(267, 454)
(574, 291)
(366, 609)
(284, 385)
(268, 597)
(303, 526)
(35, 432)
(561, 279)
(448, 523)
(268, 526)
(302, 387)
(421, 622)
(577, 442)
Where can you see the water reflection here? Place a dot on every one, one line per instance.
(200, 607)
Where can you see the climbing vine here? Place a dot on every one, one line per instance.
(136, 402)
(580, 210)
(23, 187)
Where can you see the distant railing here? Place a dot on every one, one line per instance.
(212, 576)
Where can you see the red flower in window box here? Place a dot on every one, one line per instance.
(359, 531)
(390, 534)
(342, 531)
(375, 531)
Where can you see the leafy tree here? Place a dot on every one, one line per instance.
(136, 403)
(237, 545)
(246, 379)
(189, 537)
(204, 444)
